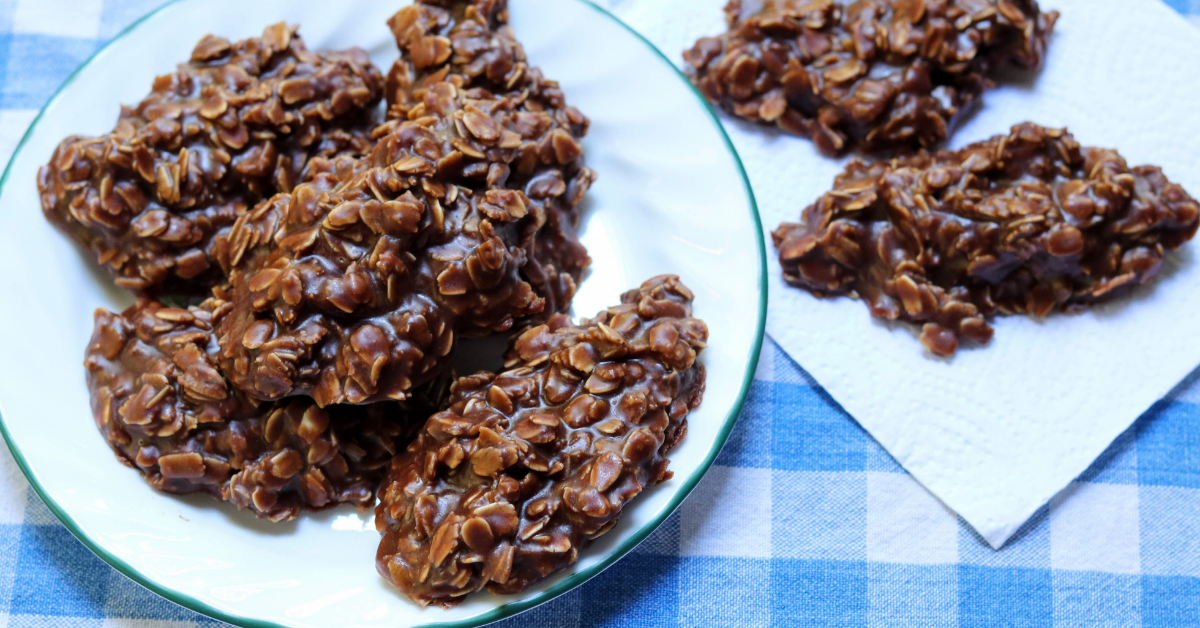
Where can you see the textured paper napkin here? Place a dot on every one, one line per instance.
(996, 432)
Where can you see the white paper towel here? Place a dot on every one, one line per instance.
(996, 432)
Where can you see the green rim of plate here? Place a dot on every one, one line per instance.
(569, 582)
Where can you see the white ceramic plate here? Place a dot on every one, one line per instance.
(672, 197)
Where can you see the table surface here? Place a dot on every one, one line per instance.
(804, 520)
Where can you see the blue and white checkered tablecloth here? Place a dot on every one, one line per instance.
(804, 520)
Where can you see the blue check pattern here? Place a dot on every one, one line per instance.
(804, 520)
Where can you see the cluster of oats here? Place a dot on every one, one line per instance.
(232, 126)
(461, 220)
(525, 468)
(161, 403)
(872, 74)
(1024, 223)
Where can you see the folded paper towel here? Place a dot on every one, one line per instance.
(996, 432)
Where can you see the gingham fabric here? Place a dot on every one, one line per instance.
(804, 520)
